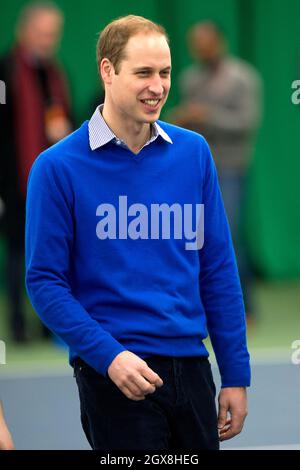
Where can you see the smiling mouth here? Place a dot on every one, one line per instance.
(151, 102)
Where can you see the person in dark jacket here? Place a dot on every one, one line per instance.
(36, 114)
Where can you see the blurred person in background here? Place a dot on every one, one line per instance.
(221, 99)
(6, 442)
(36, 115)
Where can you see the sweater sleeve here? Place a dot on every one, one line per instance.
(220, 287)
(48, 249)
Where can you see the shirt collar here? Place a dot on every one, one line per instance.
(100, 133)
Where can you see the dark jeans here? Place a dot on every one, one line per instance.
(15, 287)
(233, 187)
(180, 415)
(14, 234)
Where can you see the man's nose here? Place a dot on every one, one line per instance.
(156, 86)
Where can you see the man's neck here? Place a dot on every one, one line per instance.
(215, 64)
(135, 135)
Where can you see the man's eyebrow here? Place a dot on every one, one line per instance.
(137, 69)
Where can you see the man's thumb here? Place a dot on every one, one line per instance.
(222, 416)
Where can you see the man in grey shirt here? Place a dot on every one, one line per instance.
(221, 99)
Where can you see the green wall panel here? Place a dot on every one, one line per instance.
(265, 32)
(273, 226)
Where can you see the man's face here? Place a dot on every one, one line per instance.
(141, 87)
(41, 33)
(206, 44)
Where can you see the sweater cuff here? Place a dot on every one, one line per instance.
(107, 358)
(236, 376)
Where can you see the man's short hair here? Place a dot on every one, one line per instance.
(114, 37)
(34, 7)
(213, 26)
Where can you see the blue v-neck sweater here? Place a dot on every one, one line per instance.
(107, 281)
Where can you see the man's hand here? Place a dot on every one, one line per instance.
(232, 411)
(185, 115)
(6, 442)
(57, 129)
(197, 113)
(132, 376)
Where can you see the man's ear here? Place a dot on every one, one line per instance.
(106, 70)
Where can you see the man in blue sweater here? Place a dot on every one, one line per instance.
(129, 260)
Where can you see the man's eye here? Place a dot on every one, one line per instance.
(143, 73)
(165, 74)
